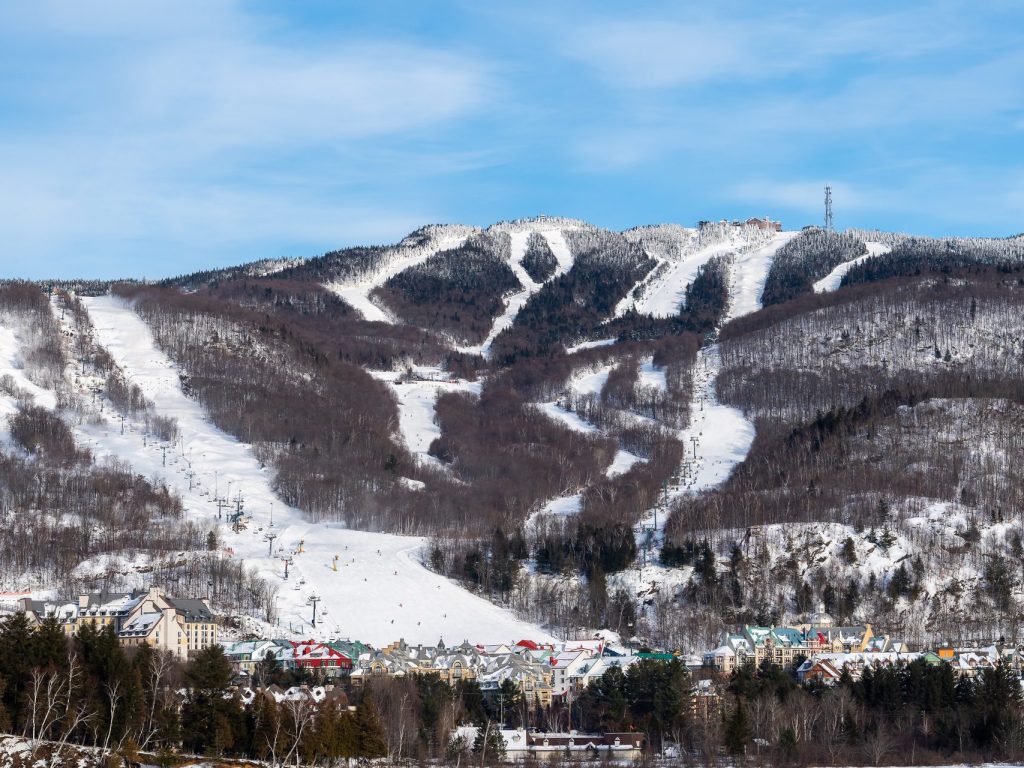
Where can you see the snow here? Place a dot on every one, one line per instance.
(591, 383)
(652, 375)
(570, 419)
(723, 433)
(564, 505)
(357, 293)
(832, 280)
(589, 345)
(749, 273)
(622, 463)
(358, 297)
(417, 399)
(380, 574)
(561, 506)
(716, 441)
(11, 365)
(665, 295)
(514, 304)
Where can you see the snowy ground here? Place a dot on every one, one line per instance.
(749, 273)
(589, 345)
(519, 240)
(357, 293)
(380, 592)
(11, 365)
(718, 437)
(417, 398)
(570, 419)
(652, 375)
(622, 463)
(831, 281)
(665, 295)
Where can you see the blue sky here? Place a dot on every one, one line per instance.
(152, 138)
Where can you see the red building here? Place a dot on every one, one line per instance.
(310, 654)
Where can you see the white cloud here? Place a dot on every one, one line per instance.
(251, 94)
(669, 51)
(657, 54)
(804, 195)
(190, 127)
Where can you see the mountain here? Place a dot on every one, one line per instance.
(663, 431)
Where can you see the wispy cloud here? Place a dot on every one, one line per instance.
(201, 128)
(676, 49)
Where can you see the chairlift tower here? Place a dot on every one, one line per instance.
(828, 208)
(313, 600)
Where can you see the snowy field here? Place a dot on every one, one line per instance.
(379, 591)
(665, 296)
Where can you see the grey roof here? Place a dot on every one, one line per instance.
(193, 610)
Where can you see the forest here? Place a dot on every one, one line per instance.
(879, 484)
(137, 703)
(68, 518)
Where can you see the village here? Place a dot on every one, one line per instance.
(531, 686)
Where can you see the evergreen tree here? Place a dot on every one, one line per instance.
(658, 695)
(15, 665)
(998, 708)
(737, 730)
(489, 743)
(369, 733)
(209, 714)
(603, 704)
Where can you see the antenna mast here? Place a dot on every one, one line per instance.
(828, 208)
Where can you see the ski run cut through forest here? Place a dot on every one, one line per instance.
(537, 430)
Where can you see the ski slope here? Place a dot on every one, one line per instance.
(748, 275)
(567, 417)
(379, 591)
(12, 369)
(833, 279)
(417, 399)
(666, 294)
(519, 241)
(357, 293)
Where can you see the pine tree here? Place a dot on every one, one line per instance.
(15, 664)
(737, 730)
(489, 743)
(208, 715)
(370, 742)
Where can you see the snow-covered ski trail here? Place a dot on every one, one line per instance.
(833, 279)
(519, 241)
(417, 400)
(11, 365)
(357, 294)
(718, 437)
(665, 295)
(748, 274)
(372, 585)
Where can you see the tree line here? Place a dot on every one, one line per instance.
(58, 691)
